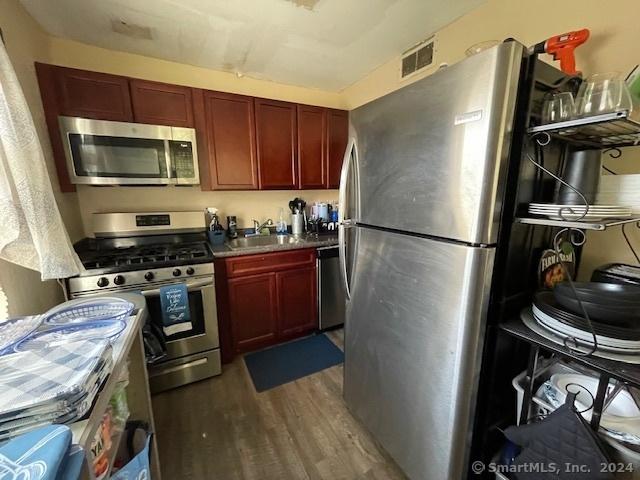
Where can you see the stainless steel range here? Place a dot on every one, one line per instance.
(141, 252)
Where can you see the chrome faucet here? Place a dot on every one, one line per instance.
(257, 226)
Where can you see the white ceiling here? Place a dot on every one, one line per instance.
(326, 44)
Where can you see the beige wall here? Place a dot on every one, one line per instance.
(26, 42)
(613, 46)
(244, 205)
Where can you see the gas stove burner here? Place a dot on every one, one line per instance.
(128, 258)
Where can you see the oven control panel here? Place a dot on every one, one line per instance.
(153, 220)
(137, 279)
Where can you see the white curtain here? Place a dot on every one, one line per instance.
(31, 230)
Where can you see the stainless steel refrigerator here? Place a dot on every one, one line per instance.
(421, 194)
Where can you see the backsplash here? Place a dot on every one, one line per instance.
(245, 205)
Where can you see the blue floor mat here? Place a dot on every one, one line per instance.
(285, 363)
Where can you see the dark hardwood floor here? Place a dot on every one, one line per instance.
(221, 428)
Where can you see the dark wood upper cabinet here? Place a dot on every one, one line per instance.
(297, 302)
(93, 95)
(276, 144)
(200, 123)
(47, 81)
(244, 143)
(161, 103)
(337, 138)
(312, 131)
(231, 141)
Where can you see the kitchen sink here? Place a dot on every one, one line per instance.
(263, 241)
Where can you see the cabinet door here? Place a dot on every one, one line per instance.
(93, 95)
(47, 81)
(297, 302)
(161, 104)
(231, 141)
(337, 137)
(276, 139)
(311, 146)
(253, 306)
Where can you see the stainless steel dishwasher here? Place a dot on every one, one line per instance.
(331, 299)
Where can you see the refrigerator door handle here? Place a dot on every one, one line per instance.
(344, 181)
(343, 261)
(343, 223)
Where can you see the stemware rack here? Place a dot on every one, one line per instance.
(608, 130)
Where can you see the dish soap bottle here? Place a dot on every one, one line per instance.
(281, 225)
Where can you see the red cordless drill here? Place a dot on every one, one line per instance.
(562, 47)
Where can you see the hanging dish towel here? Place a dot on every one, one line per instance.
(174, 302)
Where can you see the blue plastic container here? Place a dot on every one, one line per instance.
(216, 237)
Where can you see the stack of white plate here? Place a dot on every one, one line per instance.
(614, 345)
(596, 213)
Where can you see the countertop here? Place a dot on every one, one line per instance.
(304, 241)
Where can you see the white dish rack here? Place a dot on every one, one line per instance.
(618, 451)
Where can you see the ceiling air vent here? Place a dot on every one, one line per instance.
(417, 58)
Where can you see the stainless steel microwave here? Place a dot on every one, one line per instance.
(101, 152)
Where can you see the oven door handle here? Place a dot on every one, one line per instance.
(191, 286)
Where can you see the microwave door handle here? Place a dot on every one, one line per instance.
(167, 159)
(191, 286)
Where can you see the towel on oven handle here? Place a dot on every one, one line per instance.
(174, 303)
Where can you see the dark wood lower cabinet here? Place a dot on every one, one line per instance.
(297, 302)
(265, 299)
(253, 303)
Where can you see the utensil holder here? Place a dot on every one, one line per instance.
(582, 172)
(297, 223)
